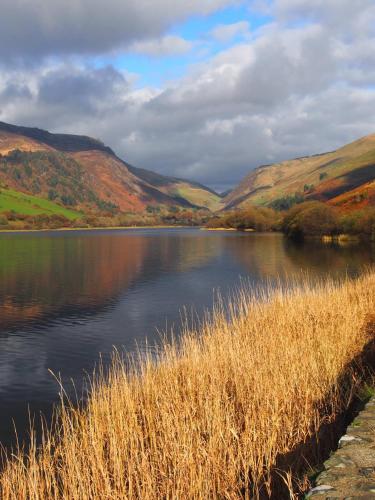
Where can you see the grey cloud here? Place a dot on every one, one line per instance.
(33, 29)
(14, 91)
(82, 89)
(339, 12)
(287, 63)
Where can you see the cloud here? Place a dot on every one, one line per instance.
(293, 88)
(168, 45)
(337, 12)
(33, 29)
(226, 32)
(82, 89)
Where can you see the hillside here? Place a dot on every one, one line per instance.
(180, 189)
(32, 205)
(360, 197)
(344, 177)
(83, 174)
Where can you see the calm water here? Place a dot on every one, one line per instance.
(66, 297)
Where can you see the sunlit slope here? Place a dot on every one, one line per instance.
(323, 177)
(360, 197)
(10, 141)
(73, 170)
(25, 204)
(88, 174)
(194, 193)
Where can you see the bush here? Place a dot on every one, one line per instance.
(256, 218)
(52, 195)
(287, 202)
(360, 222)
(3, 221)
(67, 200)
(310, 219)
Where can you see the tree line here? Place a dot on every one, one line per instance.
(308, 219)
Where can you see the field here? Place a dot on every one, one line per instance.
(26, 204)
(229, 412)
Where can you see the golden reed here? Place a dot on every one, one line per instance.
(210, 417)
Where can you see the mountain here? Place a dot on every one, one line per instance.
(345, 178)
(83, 174)
(195, 193)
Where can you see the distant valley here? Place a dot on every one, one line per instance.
(50, 180)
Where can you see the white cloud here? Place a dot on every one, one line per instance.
(226, 32)
(168, 45)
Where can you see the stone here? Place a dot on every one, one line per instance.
(320, 490)
(349, 473)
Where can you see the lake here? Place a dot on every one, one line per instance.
(67, 297)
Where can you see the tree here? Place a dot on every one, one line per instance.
(310, 219)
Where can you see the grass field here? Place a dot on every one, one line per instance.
(26, 204)
(224, 414)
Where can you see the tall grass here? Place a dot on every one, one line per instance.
(220, 415)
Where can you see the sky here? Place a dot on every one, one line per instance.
(200, 89)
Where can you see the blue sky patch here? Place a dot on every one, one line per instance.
(155, 70)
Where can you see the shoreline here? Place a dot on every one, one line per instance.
(340, 239)
(71, 229)
(218, 229)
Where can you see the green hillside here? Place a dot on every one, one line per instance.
(26, 204)
(193, 193)
(322, 177)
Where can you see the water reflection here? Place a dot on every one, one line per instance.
(272, 256)
(66, 297)
(44, 275)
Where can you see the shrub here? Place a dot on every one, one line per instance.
(287, 202)
(3, 221)
(360, 222)
(310, 219)
(68, 200)
(257, 218)
(308, 188)
(52, 195)
(16, 174)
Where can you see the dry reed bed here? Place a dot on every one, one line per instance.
(209, 418)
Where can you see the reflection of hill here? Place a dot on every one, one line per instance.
(263, 255)
(40, 275)
(47, 275)
(184, 251)
(321, 258)
(269, 256)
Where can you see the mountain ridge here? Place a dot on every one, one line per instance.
(322, 176)
(63, 142)
(35, 161)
